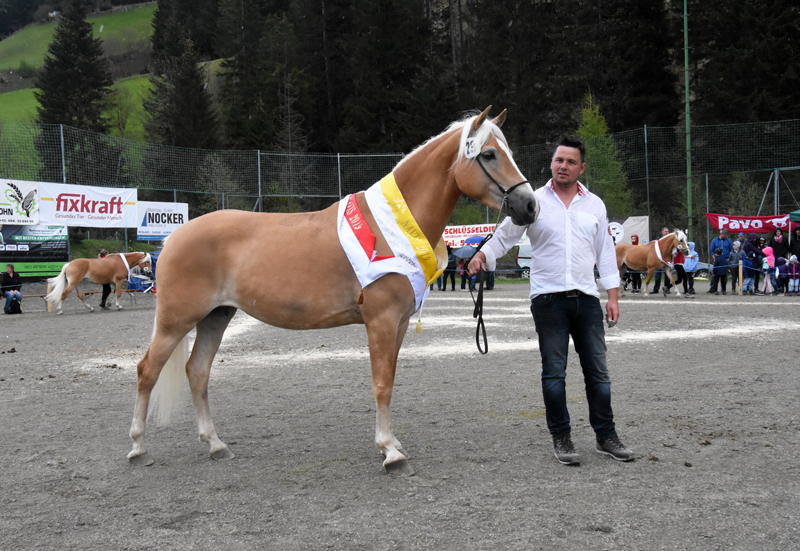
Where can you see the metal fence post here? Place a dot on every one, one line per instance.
(339, 170)
(647, 180)
(63, 158)
(258, 152)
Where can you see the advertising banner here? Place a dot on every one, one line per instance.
(87, 206)
(19, 202)
(748, 224)
(157, 221)
(34, 250)
(621, 229)
(455, 235)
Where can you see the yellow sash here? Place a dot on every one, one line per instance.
(429, 258)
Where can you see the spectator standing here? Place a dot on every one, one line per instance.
(794, 246)
(782, 276)
(719, 273)
(748, 272)
(767, 270)
(733, 264)
(11, 284)
(779, 243)
(678, 259)
(636, 277)
(753, 253)
(793, 269)
(450, 272)
(690, 266)
(462, 269)
(722, 242)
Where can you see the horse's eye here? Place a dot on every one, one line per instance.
(489, 154)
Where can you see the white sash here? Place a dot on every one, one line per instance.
(125, 261)
(658, 254)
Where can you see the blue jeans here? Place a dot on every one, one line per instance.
(556, 318)
(10, 295)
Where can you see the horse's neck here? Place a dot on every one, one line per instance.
(666, 245)
(428, 185)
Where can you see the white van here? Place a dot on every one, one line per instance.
(524, 261)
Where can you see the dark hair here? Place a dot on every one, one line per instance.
(570, 141)
(11, 265)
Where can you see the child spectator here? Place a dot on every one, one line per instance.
(690, 266)
(733, 264)
(782, 276)
(749, 273)
(767, 268)
(719, 273)
(793, 269)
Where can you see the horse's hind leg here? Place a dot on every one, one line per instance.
(198, 369)
(148, 371)
(81, 296)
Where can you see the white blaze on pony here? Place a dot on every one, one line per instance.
(113, 268)
(237, 251)
(656, 255)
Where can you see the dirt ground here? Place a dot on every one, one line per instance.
(704, 390)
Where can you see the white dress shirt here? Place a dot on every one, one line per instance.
(566, 244)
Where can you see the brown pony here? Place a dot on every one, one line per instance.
(645, 257)
(113, 268)
(262, 264)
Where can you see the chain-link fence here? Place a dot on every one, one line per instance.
(651, 162)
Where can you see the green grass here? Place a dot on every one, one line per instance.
(18, 106)
(30, 44)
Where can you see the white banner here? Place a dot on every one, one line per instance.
(87, 206)
(621, 229)
(19, 202)
(455, 235)
(157, 221)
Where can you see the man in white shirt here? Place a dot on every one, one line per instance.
(568, 239)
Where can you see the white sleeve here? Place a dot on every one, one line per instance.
(606, 255)
(506, 235)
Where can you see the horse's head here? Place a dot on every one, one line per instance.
(682, 243)
(485, 169)
(146, 264)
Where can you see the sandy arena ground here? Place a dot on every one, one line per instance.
(704, 390)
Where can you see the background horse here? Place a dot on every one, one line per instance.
(646, 257)
(109, 269)
(291, 271)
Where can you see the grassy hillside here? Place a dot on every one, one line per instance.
(20, 105)
(117, 27)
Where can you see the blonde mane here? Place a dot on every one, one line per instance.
(481, 136)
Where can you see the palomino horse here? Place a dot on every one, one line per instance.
(647, 257)
(268, 265)
(113, 268)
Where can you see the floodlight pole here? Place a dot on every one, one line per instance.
(688, 117)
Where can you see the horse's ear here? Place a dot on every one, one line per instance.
(479, 120)
(500, 119)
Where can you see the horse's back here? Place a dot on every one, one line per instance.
(288, 270)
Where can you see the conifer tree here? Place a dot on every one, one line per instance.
(180, 108)
(75, 80)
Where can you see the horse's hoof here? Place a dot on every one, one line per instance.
(399, 469)
(91, 309)
(222, 455)
(143, 460)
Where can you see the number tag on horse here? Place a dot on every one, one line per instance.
(471, 149)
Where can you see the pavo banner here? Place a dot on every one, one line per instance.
(88, 206)
(19, 202)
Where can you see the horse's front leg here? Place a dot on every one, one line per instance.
(647, 281)
(668, 271)
(118, 291)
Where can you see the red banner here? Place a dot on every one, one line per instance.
(749, 224)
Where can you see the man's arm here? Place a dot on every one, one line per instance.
(506, 235)
(612, 306)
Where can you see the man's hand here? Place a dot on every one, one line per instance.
(477, 263)
(612, 306)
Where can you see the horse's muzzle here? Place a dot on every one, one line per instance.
(523, 208)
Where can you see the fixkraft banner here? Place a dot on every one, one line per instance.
(19, 202)
(87, 206)
(157, 221)
(748, 224)
(455, 235)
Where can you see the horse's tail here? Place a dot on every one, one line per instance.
(57, 285)
(172, 384)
